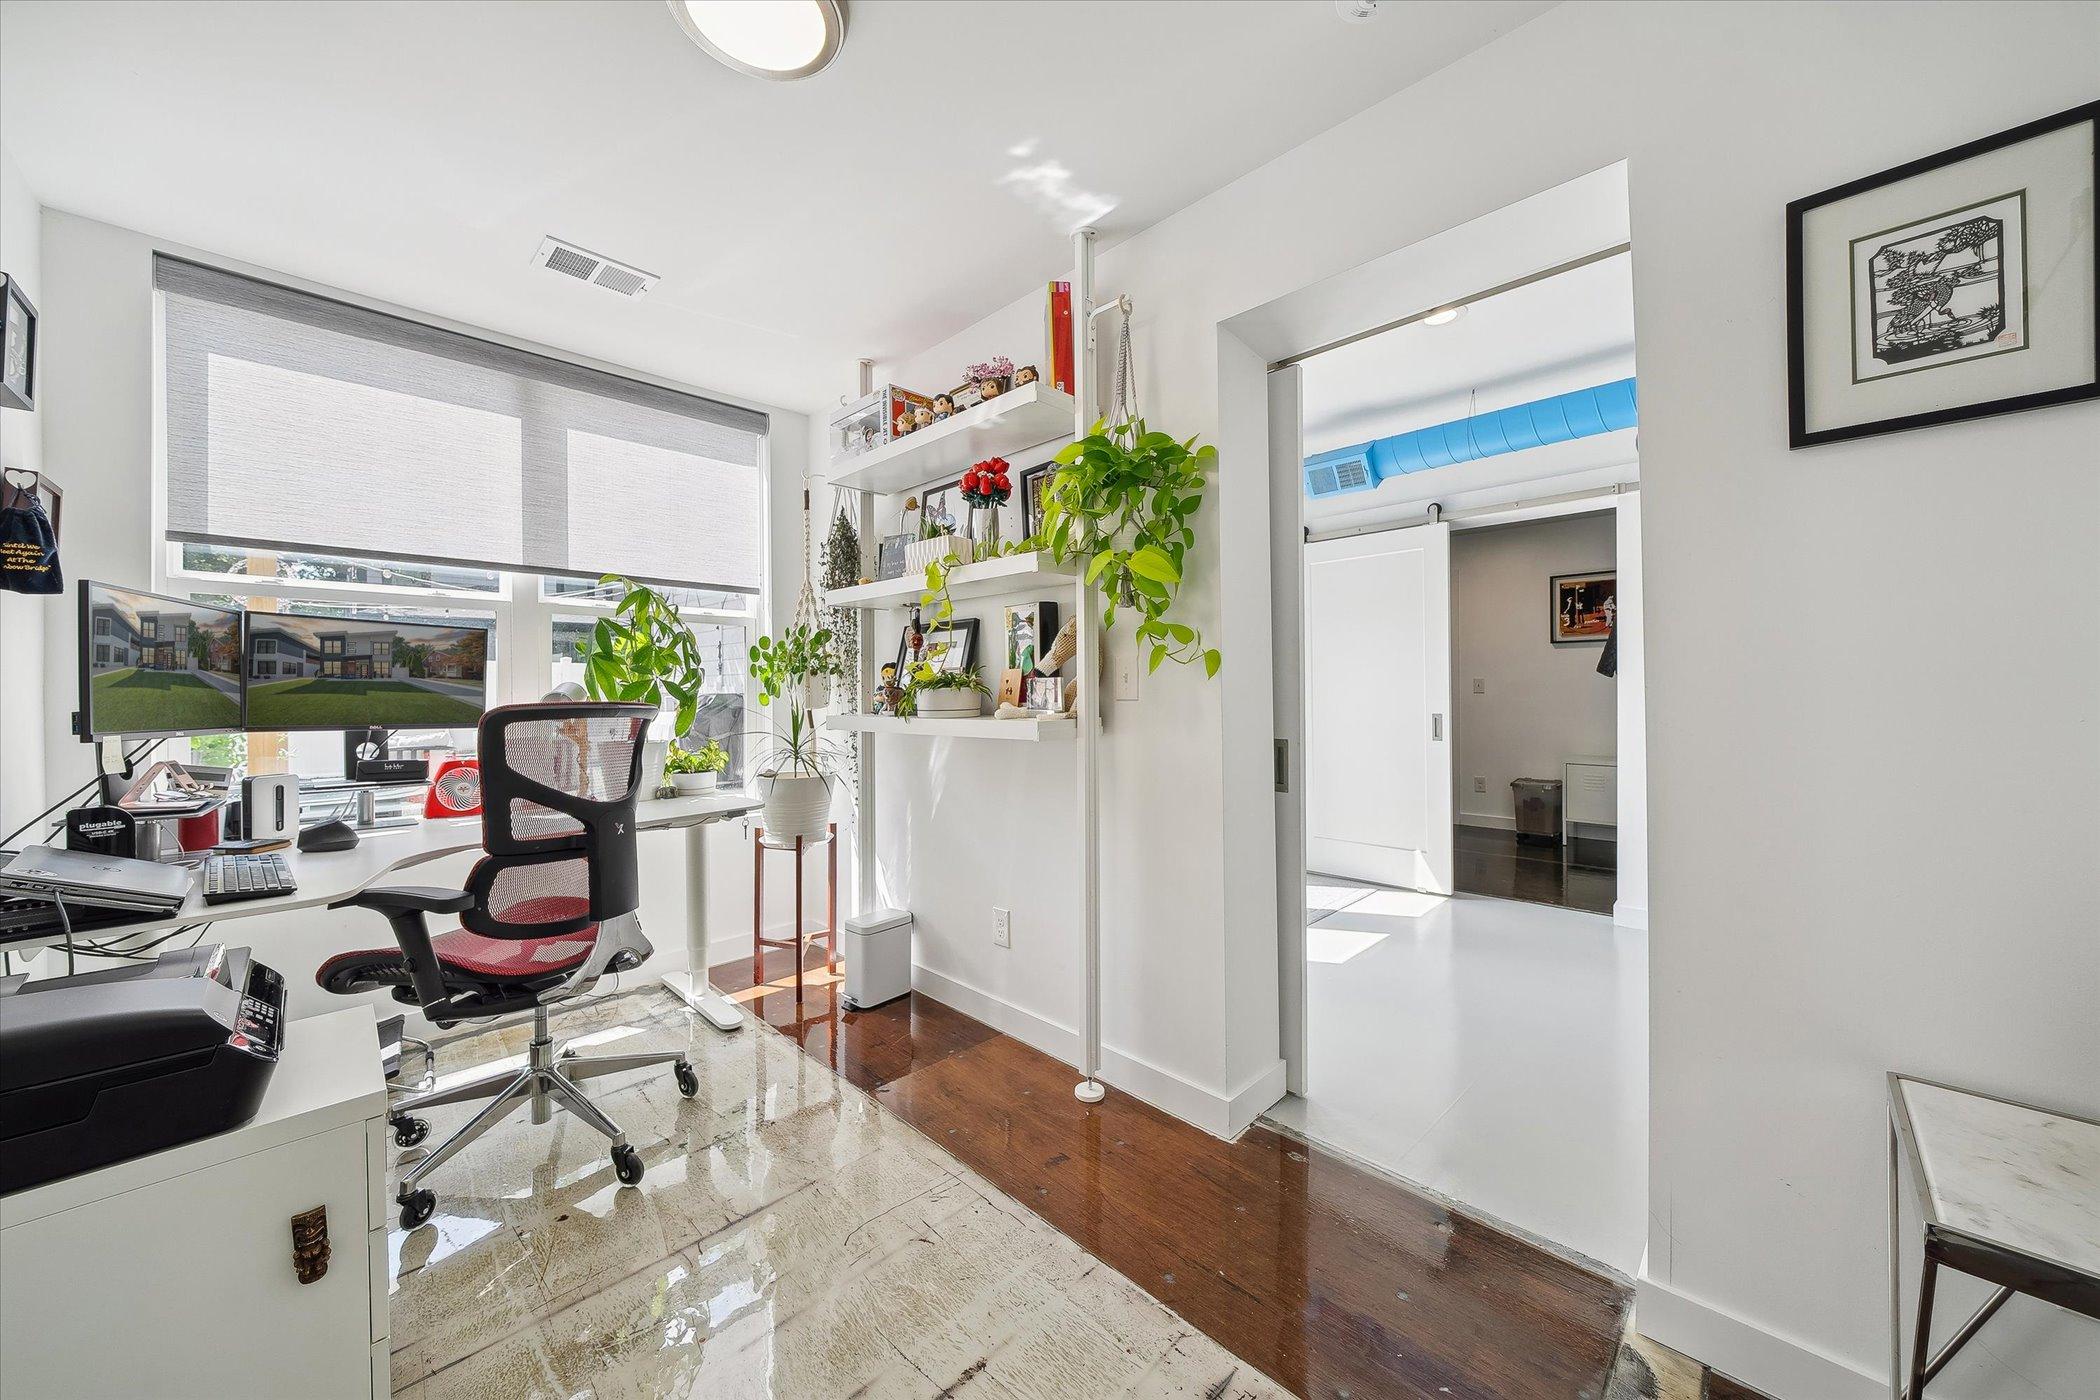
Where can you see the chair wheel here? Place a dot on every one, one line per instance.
(627, 1164)
(410, 1131)
(417, 1207)
(688, 1079)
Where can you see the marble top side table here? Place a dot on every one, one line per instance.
(2008, 1193)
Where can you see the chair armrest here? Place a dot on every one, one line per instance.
(403, 899)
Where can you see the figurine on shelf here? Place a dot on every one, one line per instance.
(1024, 375)
(993, 377)
(921, 417)
(903, 424)
(943, 407)
(887, 691)
(990, 388)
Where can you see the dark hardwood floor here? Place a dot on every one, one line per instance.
(1493, 862)
(1330, 1280)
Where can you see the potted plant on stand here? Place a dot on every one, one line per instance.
(795, 780)
(644, 651)
(696, 770)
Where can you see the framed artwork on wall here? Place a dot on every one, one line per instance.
(1582, 607)
(1033, 482)
(1959, 285)
(18, 365)
(1029, 629)
(951, 646)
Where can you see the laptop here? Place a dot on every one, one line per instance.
(87, 877)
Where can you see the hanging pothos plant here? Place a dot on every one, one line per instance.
(1121, 501)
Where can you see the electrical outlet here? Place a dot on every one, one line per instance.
(1480, 687)
(1002, 927)
(1480, 785)
(1128, 669)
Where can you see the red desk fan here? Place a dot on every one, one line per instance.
(455, 789)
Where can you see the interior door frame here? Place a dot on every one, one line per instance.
(1287, 642)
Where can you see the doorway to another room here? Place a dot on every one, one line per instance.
(1463, 622)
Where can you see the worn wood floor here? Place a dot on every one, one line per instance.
(1331, 1280)
(1492, 862)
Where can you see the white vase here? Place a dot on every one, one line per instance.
(655, 752)
(691, 783)
(948, 704)
(797, 804)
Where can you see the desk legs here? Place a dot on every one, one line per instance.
(691, 985)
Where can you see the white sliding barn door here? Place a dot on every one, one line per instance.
(1378, 708)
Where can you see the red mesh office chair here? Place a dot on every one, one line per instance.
(547, 910)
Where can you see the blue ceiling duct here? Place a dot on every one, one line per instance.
(1604, 408)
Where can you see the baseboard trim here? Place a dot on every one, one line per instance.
(1765, 1361)
(1221, 1115)
(1629, 915)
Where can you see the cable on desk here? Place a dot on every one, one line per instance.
(133, 757)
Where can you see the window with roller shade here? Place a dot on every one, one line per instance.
(301, 424)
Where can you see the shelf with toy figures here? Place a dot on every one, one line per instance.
(1013, 422)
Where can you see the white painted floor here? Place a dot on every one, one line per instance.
(1491, 1051)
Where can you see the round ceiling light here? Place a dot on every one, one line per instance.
(1444, 317)
(778, 39)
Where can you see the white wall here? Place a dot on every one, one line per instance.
(1906, 907)
(1631, 905)
(97, 416)
(1543, 704)
(21, 615)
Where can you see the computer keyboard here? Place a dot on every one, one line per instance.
(254, 876)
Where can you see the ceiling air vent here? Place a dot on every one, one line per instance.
(586, 266)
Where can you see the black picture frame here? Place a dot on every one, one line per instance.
(1030, 490)
(1799, 435)
(963, 640)
(17, 328)
(1609, 578)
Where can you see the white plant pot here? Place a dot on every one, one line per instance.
(797, 804)
(690, 783)
(816, 692)
(919, 553)
(655, 752)
(948, 704)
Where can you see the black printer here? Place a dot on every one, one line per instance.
(108, 1065)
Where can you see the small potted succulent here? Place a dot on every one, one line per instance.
(987, 487)
(696, 770)
(932, 693)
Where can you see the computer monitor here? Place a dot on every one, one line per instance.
(157, 667)
(345, 673)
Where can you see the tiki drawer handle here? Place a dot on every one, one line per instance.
(310, 1243)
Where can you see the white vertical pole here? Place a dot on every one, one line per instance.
(864, 744)
(1089, 1089)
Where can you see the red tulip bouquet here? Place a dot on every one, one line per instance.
(987, 486)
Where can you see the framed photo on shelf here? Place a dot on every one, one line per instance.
(1046, 695)
(951, 646)
(1028, 629)
(944, 505)
(1582, 607)
(1034, 482)
(1957, 286)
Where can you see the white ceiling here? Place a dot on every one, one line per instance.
(418, 153)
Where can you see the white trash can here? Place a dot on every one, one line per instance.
(878, 957)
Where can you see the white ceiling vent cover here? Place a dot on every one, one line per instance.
(586, 266)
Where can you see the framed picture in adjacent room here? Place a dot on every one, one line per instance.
(1582, 607)
(18, 364)
(951, 646)
(1957, 286)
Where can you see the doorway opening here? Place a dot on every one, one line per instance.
(1456, 553)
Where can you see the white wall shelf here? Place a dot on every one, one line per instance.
(1025, 731)
(1013, 422)
(1012, 576)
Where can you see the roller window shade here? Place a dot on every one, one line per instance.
(300, 423)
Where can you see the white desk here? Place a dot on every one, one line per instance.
(329, 877)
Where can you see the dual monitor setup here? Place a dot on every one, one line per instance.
(158, 667)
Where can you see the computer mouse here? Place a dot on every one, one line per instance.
(328, 836)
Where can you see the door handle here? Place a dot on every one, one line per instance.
(1436, 728)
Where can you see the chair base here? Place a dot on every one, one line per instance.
(549, 1079)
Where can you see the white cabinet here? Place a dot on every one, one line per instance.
(171, 1275)
(1589, 793)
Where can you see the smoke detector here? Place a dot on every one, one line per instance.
(557, 255)
(1356, 11)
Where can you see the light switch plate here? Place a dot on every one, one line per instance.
(1127, 671)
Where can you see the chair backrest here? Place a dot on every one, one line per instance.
(559, 782)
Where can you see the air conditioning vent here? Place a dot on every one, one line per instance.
(594, 268)
(1351, 476)
(1322, 481)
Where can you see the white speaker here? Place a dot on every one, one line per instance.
(270, 807)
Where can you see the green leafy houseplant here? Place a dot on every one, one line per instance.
(710, 757)
(784, 667)
(1121, 501)
(925, 676)
(645, 652)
